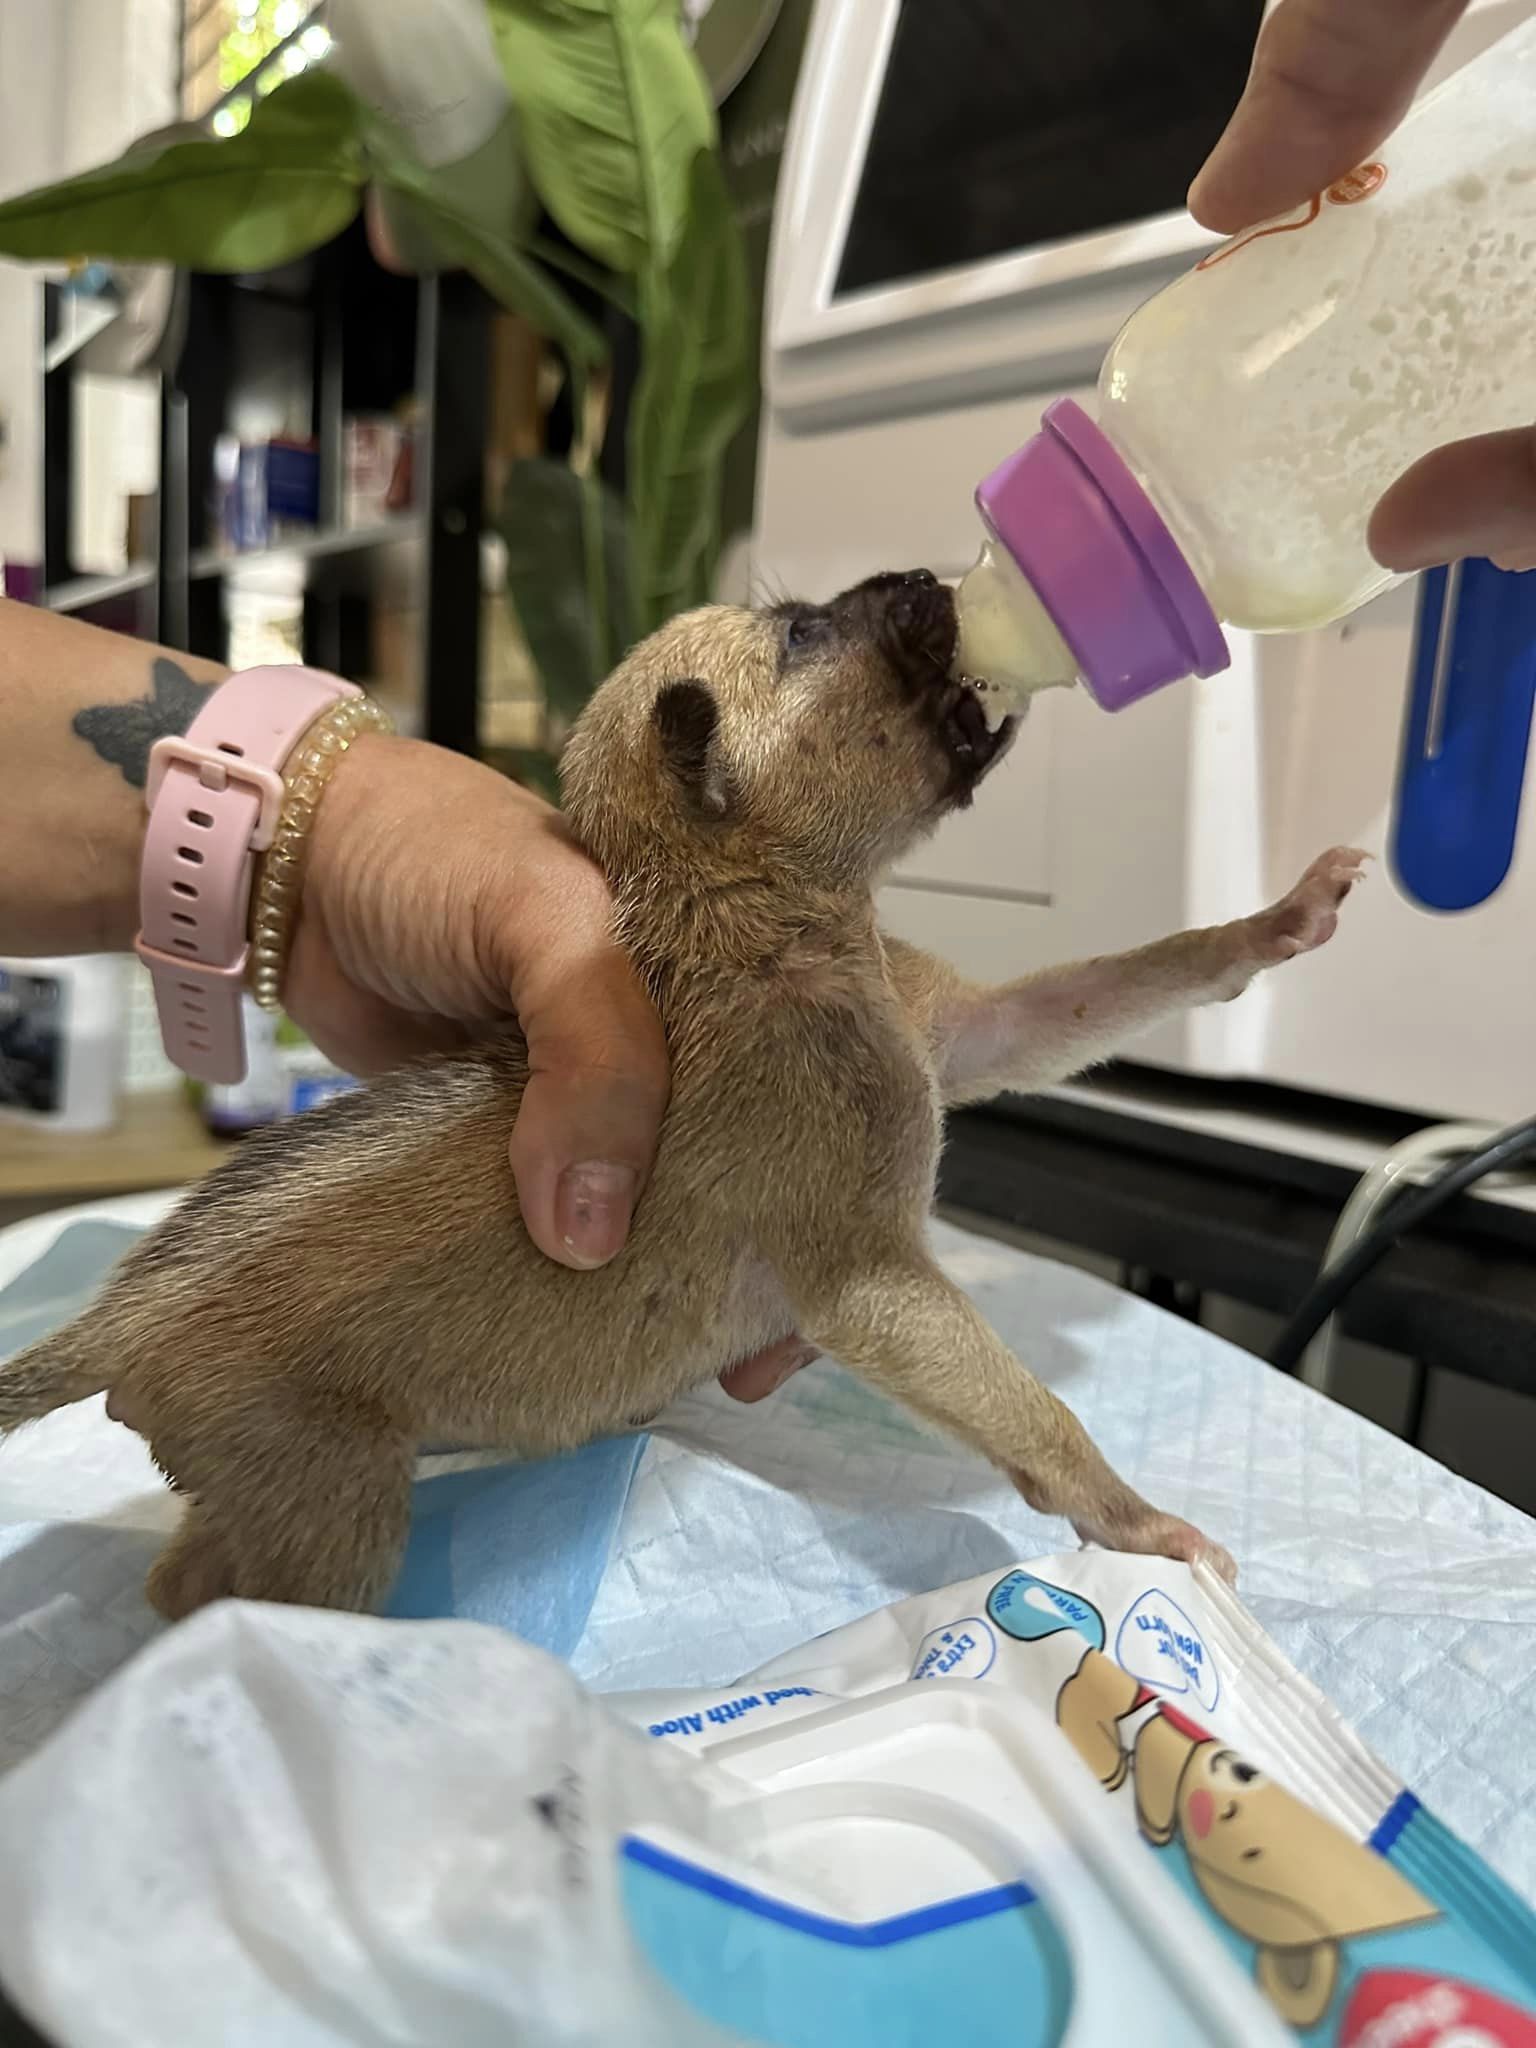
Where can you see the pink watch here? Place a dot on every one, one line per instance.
(214, 796)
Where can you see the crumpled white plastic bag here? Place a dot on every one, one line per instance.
(279, 1828)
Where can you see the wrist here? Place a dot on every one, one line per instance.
(121, 725)
(245, 781)
(344, 819)
(79, 710)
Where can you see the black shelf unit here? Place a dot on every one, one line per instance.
(324, 338)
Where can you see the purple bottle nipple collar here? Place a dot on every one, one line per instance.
(1101, 561)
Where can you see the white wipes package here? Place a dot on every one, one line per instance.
(1032, 1810)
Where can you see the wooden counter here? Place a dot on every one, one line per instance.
(159, 1141)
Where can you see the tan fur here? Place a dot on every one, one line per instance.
(358, 1283)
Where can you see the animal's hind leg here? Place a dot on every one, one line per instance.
(193, 1568)
(327, 1526)
(297, 1500)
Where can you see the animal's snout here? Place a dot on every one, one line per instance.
(917, 600)
(910, 616)
(891, 582)
(913, 615)
(921, 616)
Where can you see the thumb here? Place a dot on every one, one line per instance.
(1474, 498)
(586, 1134)
(1331, 79)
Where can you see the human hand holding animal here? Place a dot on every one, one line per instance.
(395, 956)
(439, 897)
(363, 1280)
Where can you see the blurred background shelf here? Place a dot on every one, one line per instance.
(284, 557)
(300, 355)
(159, 1141)
(84, 593)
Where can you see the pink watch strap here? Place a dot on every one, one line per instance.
(213, 800)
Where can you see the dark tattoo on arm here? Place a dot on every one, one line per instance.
(122, 734)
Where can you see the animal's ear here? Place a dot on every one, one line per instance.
(1162, 1754)
(688, 727)
(1298, 1982)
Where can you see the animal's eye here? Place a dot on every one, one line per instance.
(805, 626)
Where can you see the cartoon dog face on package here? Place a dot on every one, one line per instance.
(1279, 1873)
(1275, 1871)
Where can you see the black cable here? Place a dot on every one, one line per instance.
(1330, 1288)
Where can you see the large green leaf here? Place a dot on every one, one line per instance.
(544, 521)
(614, 111)
(619, 133)
(465, 242)
(290, 181)
(696, 385)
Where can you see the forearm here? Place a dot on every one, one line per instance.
(79, 712)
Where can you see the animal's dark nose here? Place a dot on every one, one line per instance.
(911, 616)
(920, 610)
(919, 630)
(890, 581)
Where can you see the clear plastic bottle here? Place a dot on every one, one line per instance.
(1253, 412)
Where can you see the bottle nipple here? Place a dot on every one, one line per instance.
(1008, 647)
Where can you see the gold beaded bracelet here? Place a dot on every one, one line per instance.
(280, 870)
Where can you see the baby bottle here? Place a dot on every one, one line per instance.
(1251, 414)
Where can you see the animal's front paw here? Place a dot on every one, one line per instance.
(1152, 1534)
(1307, 917)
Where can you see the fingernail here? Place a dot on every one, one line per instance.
(593, 1205)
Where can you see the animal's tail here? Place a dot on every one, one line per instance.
(64, 1367)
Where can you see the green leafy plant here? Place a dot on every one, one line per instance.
(544, 521)
(617, 138)
(291, 181)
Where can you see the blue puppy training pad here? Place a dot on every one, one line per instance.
(523, 1546)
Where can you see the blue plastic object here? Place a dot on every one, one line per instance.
(1465, 738)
